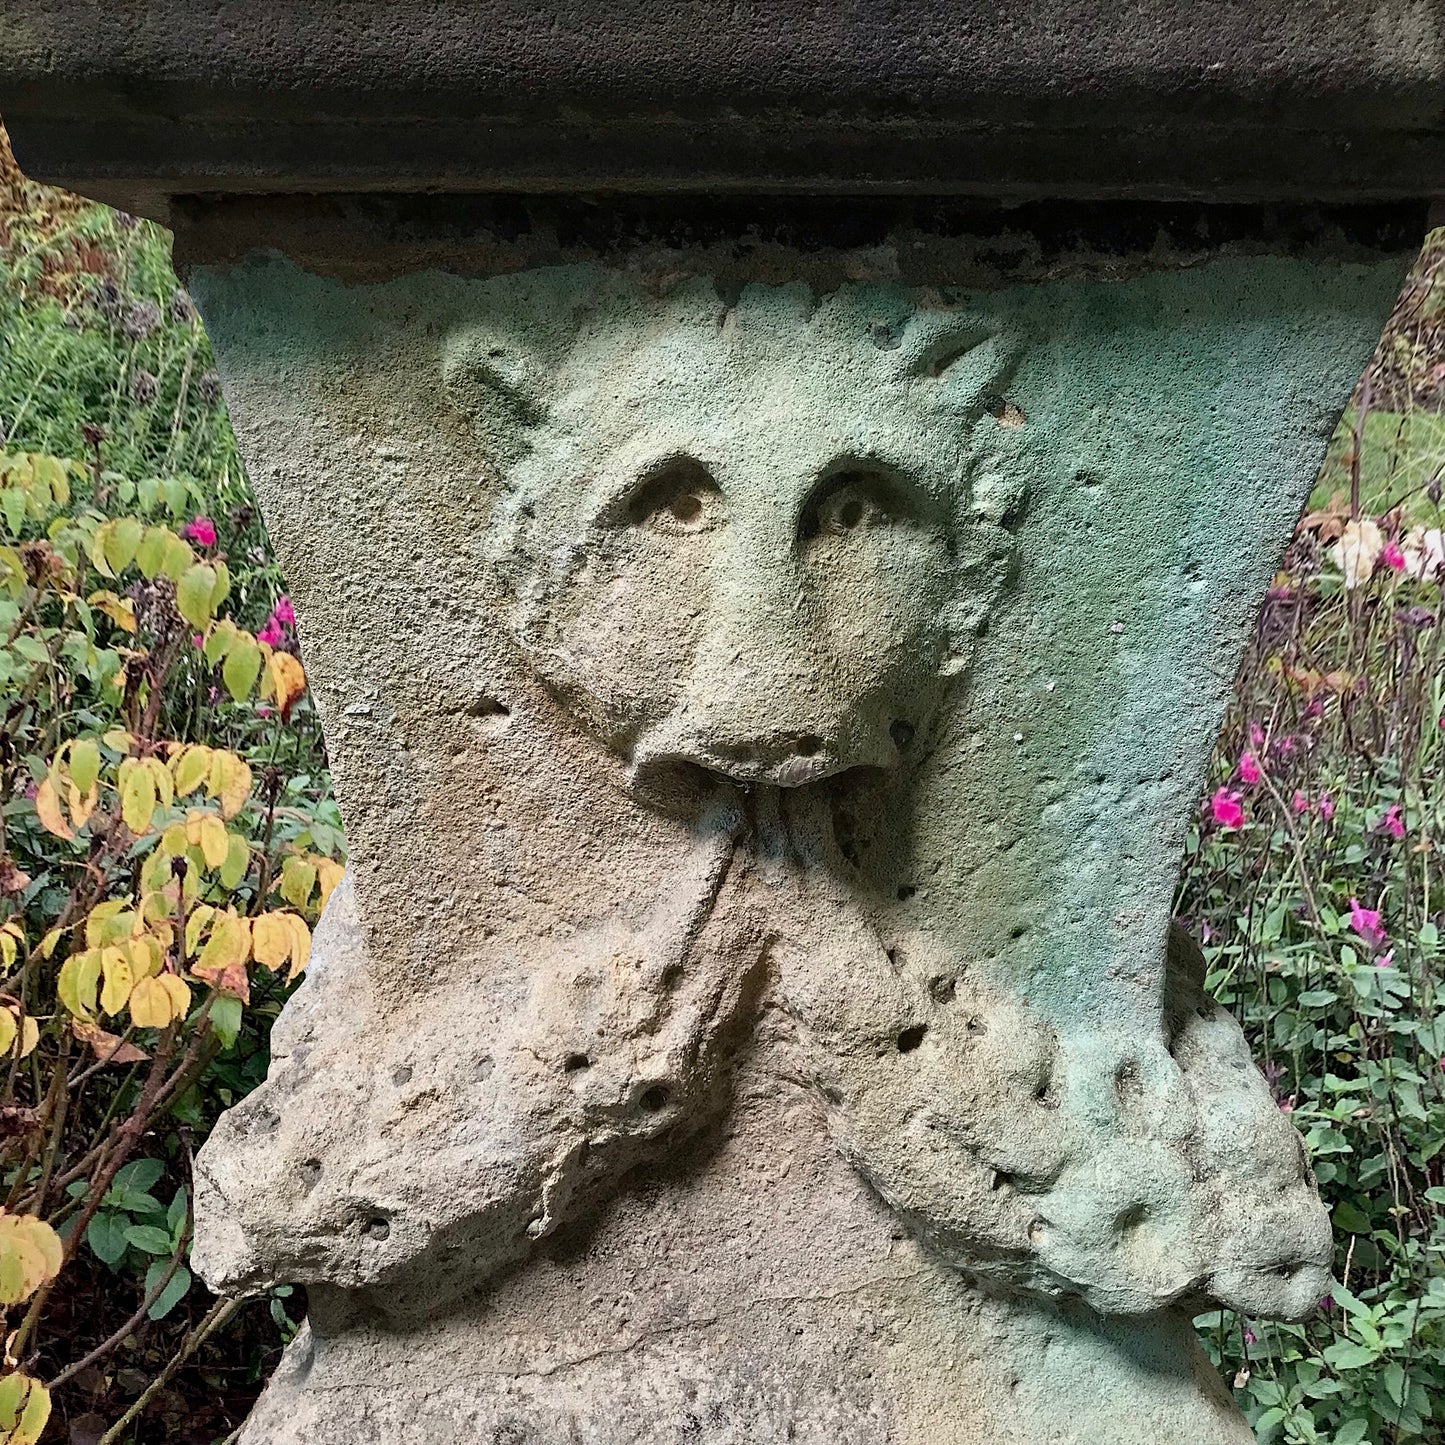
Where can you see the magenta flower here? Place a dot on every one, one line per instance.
(1392, 823)
(283, 612)
(271, 633)
(1386, 959)
(200, 530)
(1392, 556)
(1366, 923)
(1300, 803)
(1226, 809)
(197, 640)
(1249, 771)
(1327, 807)
(1250, 1338)
(1256, 736)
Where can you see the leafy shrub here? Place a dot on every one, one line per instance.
(1311, 883)
(166, 833)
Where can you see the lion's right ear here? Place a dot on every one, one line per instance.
(494, 384)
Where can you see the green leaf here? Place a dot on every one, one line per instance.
(241, 669)
(84, 763)
(140, 1175)
(12, 505)
(1352, 1432)
(1351, 1219)
(1318, 998)
(237, 860)
(1347, 1355)
(150, 556)
(173, 490)
(194, 590)
(176, 1214)
(1393, 1377)
(150, 1239)
(121, 542)
(172, 1294)
(226, 1020)
(105, 1234)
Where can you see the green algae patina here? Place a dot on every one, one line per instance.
(766, 718)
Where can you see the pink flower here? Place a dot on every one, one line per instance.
(263, 711)
(1392, 556)
(1248, 769)
(197, 640)
(1300, 803)
(283, 612)
(1256, 736)
(271, 633)
(1386, 959)
(1366, 922)
(1226, 810)
(1327, 807)
(201, 530)
(1250, 1338)
(1392, 823)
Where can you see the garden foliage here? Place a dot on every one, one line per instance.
(166, 839)
(1311, 882)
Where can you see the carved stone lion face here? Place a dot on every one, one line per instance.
(738, 556)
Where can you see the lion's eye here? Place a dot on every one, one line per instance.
(679, 497)
(853, 501)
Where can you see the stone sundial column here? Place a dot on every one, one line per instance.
(774, 508)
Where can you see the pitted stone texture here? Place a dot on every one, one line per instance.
(743, 1292)
(777, 710)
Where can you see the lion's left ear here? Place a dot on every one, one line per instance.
(496, 384)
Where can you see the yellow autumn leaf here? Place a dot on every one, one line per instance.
(328, 875)
(192, 766)
(24, 1410)
(109, 922)
(197, 924)
(174, 841)
(150, 1004)
(118, 976)
(30, 1254)
(211, 836)
(164, 783)
(230, 782)
(298, 878)
(16, 1024)
(120, 610)
(180, 994)
(47, 944)
(137, 795)
(146, 955)
(47, 809)
(300, 944)
(270, 939)
(77, 983)
(12, 940)
(82, 805)
(118, 740)
(288, 681)
(9, 1028)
